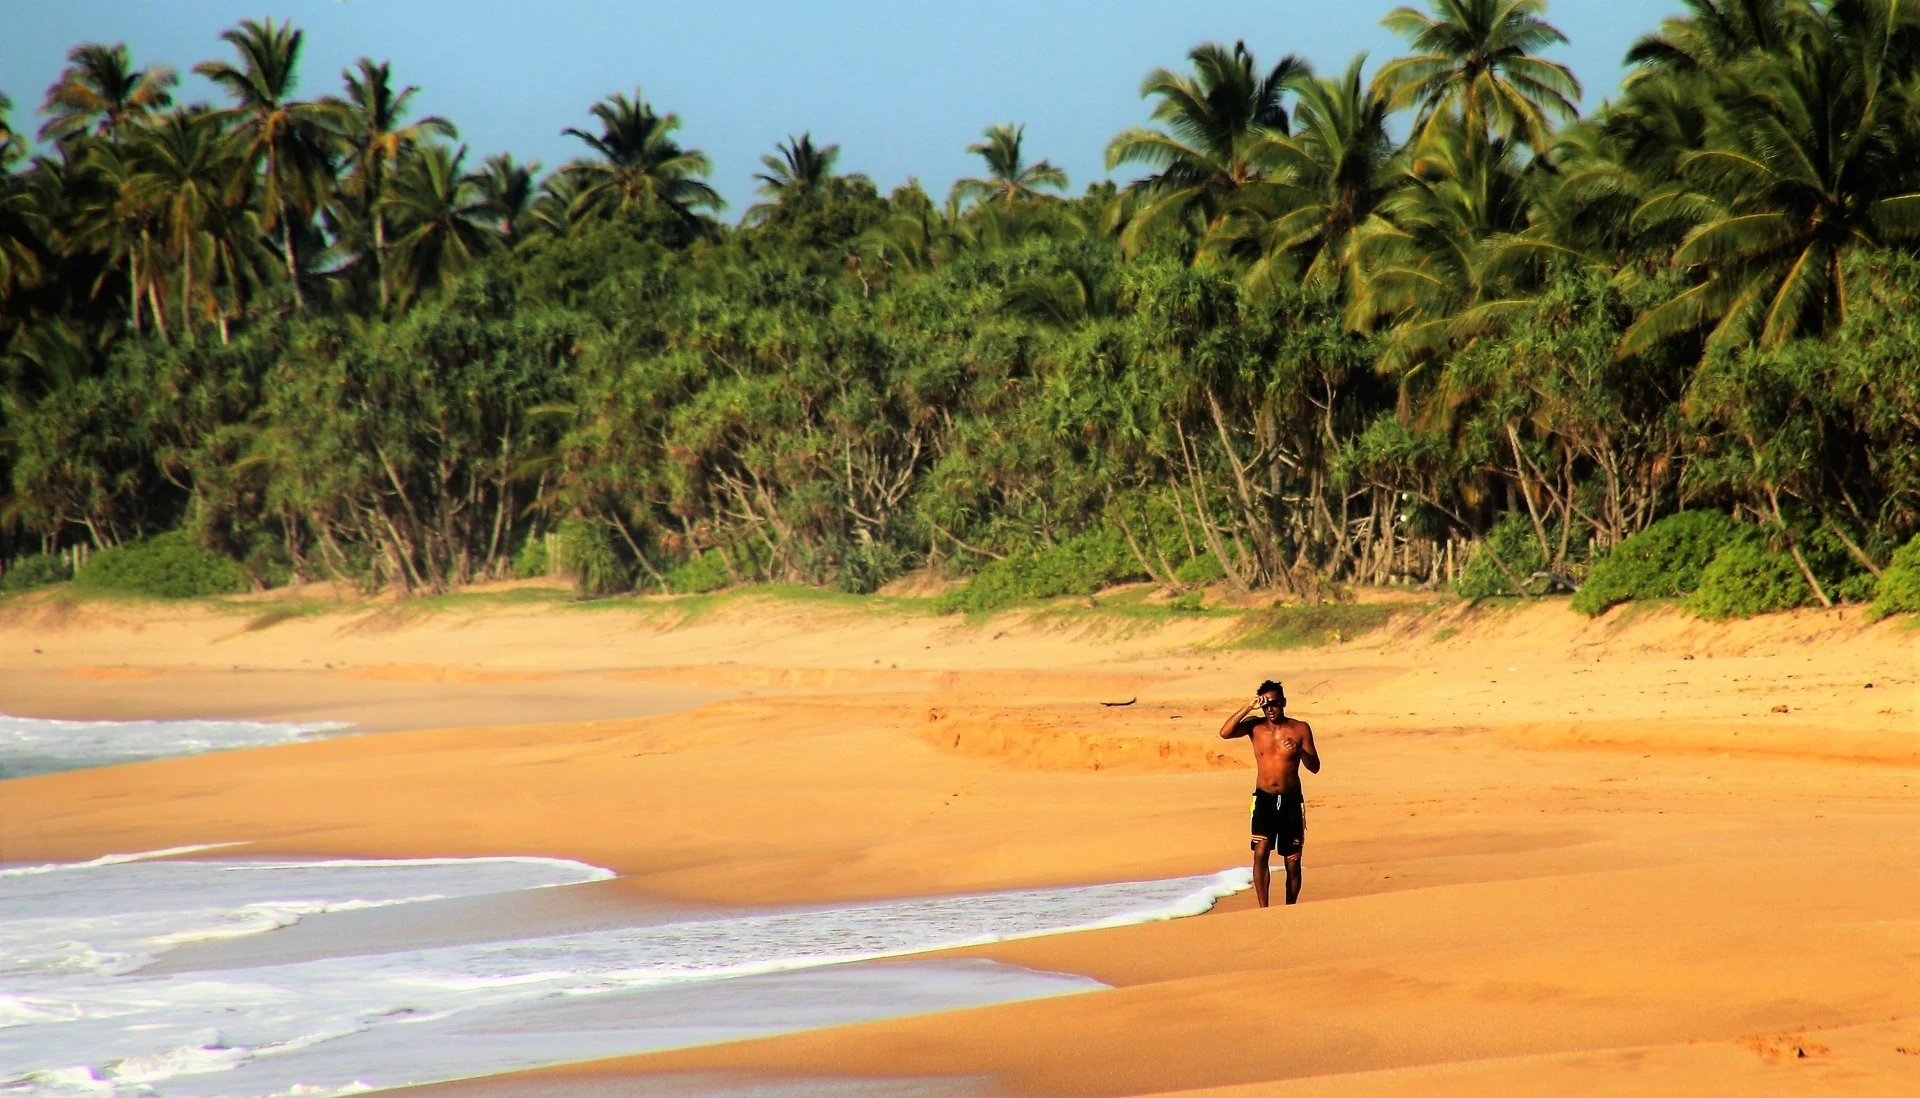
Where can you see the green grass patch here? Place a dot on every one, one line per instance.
(680, 611)
(281, 614)
(1116, 615)
(1311, 626)
(511, 598)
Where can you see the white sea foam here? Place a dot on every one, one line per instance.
(29, 745)
(78, 1017)
(114, 914)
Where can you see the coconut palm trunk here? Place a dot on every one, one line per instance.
(133, 292)
(380, 259)
(153, 303)
(186, 290)
(293, 260)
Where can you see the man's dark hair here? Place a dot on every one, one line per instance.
(1271, 686)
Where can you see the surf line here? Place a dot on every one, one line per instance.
(117, 859)
(453, 1009)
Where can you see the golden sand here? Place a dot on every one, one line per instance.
(1638, 856)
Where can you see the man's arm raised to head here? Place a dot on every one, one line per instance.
(1309, 752)
(1237, 725)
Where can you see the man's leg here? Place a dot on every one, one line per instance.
(1262, 876)
(1293, 879)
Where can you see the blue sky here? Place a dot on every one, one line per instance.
(902, 85)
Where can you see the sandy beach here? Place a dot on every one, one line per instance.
(1636, 855)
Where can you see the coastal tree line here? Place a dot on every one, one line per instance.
(1346, 326)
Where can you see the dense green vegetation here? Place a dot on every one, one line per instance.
(165, 566)
(1663, 561)
(317, 339)
(38, 570)
(1899, 589)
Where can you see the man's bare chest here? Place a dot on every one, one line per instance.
(1281, 741)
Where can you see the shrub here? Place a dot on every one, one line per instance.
(589, 557)
(1747, 578)
(1098, 558)
(38, 570)
(866, 565)
(267, 562)
(531, 560)
(1189, 603)
(1838, 571)
(1899, 588)
(1663, 561)
(165, 566)
(702, 573)
(1200, 570)
(1858, 587)
(1513, 540)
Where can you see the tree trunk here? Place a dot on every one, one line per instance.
(133, 290)
(1519, 588)
(1859, 554)
(1520, 466)
(186, 293)
(380, 258)
(1167, 581)
(153, 305)
(418, 528)
(641, 556)
(1209, 530)
(1818, 591)
(1264, 553)
(293, 259)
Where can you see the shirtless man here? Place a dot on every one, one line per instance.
(1280, 745)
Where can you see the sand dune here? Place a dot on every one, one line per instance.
(1546, 855)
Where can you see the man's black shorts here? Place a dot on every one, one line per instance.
(1281, 818)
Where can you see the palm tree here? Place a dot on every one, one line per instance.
(1218, 124)
(185, 169)
(1430, 258)
(440, 215)
(551, 211)
(369, 120)
(1715, 34)
(102, 91)
(11, 147)
(288, 138)
(120, 218)
(1806, 158)
(1617, 196)
(640, 164)
(917, 235)
(797, 170)
(23, 224)
(1009, 179)
(1475, 62)
(1329, 176)
(506, 191)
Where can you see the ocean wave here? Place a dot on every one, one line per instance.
(78, 1014)
(31, 745)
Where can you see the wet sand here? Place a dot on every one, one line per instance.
(1546, 855)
